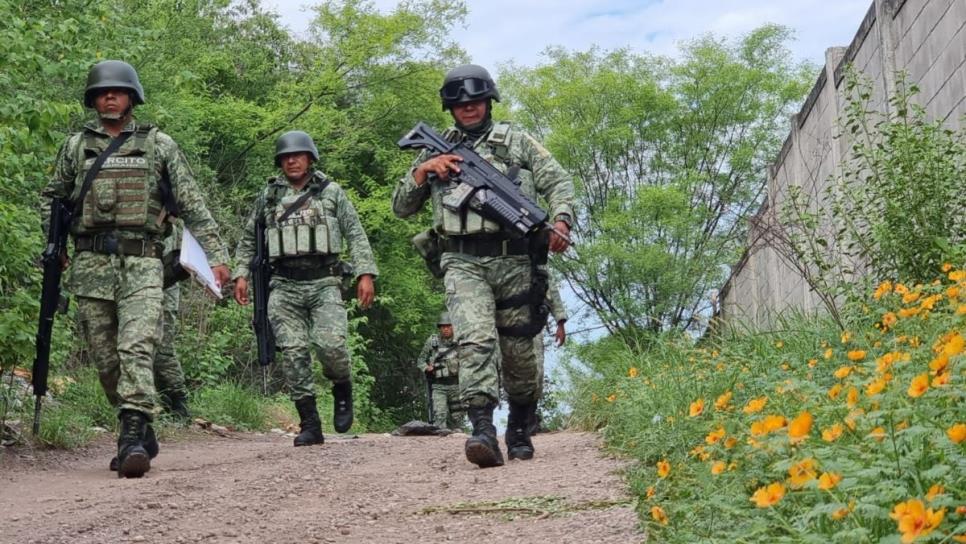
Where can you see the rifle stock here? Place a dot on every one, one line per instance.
(261, 275)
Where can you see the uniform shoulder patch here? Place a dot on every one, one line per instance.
(500, 134)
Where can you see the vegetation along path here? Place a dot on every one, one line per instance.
(374, 488)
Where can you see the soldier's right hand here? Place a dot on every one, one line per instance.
(429, 369)
(241, 291)
(441, 165)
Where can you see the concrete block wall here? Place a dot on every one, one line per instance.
(925, 39)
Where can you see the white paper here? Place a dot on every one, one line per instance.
(193, 259)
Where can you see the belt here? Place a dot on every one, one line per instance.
(110, 244)
(485, 246)
(305, 274)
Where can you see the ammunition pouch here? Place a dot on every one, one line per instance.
(427, 244)
(173, 271)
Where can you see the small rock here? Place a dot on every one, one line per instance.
(344, 532)
(138, 538)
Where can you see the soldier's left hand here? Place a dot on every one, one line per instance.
(559, 244)
(561, 335)
(365, 291)
(222, 275)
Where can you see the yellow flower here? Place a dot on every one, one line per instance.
(953, 292)
(852, 398)
(957, 433)
(914, 520)
(955, 345)
(934, 491)
(832, 433)
(718, 467)
(884, 288)
(845, 337)
(799, 428)
(961, 310)
(843, 372)
(730, 442)
(910, 297)
(715, 436)
(879, 434)
(960, 538)
(768, 495)
(755, 405)
(909, 312)
(946, 267)
(958, 275)
(833, 392)
(856, 355)
(919, 385)
(612, 397)
(696, 409)
(828, 480)
(658, 514)
(721, 403)
(941, 380)
(650, 492)
(827, 354)
(632, 372)
(889, 319)
(663, 468)
(802, 472)
(812, 363)
(875, 387)
(779, 344)
(900, 289)
(840, 513)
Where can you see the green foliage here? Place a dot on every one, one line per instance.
(670, 156)
(892, 446)
(65, 428)
(236, 406)
(82, 394)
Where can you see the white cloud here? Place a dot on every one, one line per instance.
(502, 30)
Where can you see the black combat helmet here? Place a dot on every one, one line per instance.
(444, 319)
(295, 141)
(467, 83)
(112, 74)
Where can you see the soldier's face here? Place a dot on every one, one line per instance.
(295, 165)
(446, 331)
(112, 103)
(469, 114)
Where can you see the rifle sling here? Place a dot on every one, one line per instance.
(96, 167)
(316, 189)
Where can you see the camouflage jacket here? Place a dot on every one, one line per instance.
(441, 353)
(86, 277)
(557, 308)
(336, 204)
(540, 175)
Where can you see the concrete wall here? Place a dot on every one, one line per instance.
(926, 39)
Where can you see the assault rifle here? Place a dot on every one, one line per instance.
(481, 186)
(51, 261)
(261, 274)
(430, 378)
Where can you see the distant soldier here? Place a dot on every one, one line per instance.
(125, 178)
(309, 222)
(440, 361)
(489, 272)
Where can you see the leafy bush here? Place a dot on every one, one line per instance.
(804, 434)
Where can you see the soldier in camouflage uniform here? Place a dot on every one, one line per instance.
(116, 272)
(486, 271)
(439, 361)
(309, 221)
(168, 374)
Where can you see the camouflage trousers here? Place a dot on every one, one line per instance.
(122, 334)
(168, 375)
(473, 285)
(309, 316)
(448, 411)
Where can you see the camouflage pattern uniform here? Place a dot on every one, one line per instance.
(119, 297)
(475, 284)
(442, 354)
(309, 313)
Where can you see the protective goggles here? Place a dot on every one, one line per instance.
(472, 87)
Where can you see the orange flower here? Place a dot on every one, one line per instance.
(909, 312)
(955, 345)
(952, 292)
(889, 319)
(721, 403)
(612, 397)
(650, 492)
(730, 442)
(914, 520)
(875, 387)
(841, 512)
(832, 433)
(941, 380)
(663, 468)
(939, 364)
(934, 491)
(833, 392)
(957, 433)
(768, 495)
(852, 398)
(657, 513)
(697, 408)
(856, 355)
(715, 436)
(884, 288)
(718, 467)
(910, 297)
(802, 472)
(919, 385)
(755, 405)
(843, 371)
(827, 354)
(799, 428)
(812, 363)
(828, 480)
(846, 336)
(946, 267)
(632, 372)
(958, 275)
(879, 433)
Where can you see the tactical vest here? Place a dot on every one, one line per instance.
(495, 148)
(124, 195)
(312, 230)
(445, 359)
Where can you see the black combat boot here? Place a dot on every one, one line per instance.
(483, 449)
(132, 458)
(150, 445)
(342, 409)
(176, 404)
(310, 425)
(518, 444)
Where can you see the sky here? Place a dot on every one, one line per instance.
(498, 31)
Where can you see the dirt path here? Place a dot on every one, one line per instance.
(375, 488)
